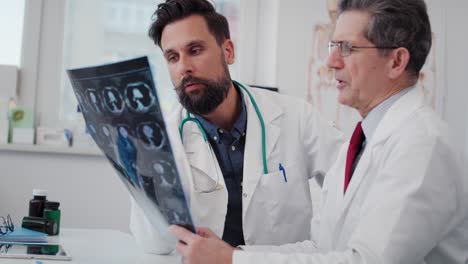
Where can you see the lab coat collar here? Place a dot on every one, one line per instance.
(372, 120)
(398, 112)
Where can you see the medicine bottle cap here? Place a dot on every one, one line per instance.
(52, 205)
(38, 192)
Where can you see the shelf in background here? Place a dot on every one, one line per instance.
(91, 151)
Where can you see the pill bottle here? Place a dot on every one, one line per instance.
(52, 213)
(37, 203)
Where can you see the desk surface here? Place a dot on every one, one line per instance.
(93, 246)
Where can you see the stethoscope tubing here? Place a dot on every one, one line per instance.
(188, 118)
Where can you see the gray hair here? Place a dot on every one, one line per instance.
(399, 23)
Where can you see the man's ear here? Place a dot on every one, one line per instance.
(399, 61)
(228, 50)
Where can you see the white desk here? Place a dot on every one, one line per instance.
(100, 246)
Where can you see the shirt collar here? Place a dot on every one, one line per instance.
(372, 120)
(239, 127)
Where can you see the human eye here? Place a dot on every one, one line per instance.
(346, 46)
(196, 50)
(171, 58)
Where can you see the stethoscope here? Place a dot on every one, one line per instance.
(188, 118)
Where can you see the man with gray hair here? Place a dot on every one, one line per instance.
(396, 193)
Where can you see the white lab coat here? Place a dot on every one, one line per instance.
(407, 201)
(274, 211)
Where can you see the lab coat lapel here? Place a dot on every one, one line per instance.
(401, 109)
(359, 174)
(253, 162)
(198, 152)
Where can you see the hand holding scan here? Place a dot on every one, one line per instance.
(203, 247)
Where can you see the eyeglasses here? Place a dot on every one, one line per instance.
(345, 48)
(4, 248)
(6, 225)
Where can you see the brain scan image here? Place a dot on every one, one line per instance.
(106, 131)
(165, 173)
(175, 217)
(92, 130)
(82, 103)
(113, 100)
(151, 135)
(123, 131)
(94, 100)
(123, 115)
(176, 213)
(139, 97)
(148, 187)
(106, 135)
(127, 155)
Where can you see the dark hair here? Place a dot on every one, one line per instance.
(175, 10)
(399, 23)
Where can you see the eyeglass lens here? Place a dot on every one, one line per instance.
(6, 224)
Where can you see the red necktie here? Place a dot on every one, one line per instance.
(355, 146)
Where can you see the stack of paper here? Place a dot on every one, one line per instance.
(23, 235)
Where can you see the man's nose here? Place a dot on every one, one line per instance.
(335, 60)
(185, 65)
